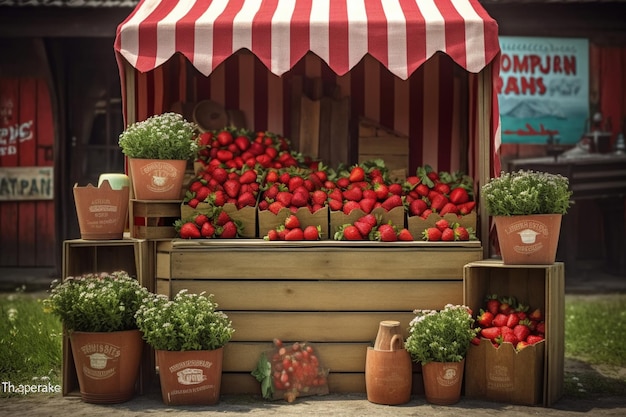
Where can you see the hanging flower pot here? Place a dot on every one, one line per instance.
(190, 377)
(442, 381)
(107, 364)
(528, 239)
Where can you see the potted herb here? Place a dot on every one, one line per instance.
(158, 149)
(98, 314)
(527, 207)
(439, 341)
(188, 335)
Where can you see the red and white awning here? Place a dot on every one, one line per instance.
(401, 34)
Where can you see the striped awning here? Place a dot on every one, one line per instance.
(400, 34)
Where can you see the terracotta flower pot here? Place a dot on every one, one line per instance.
(107, 364)
(388, 374)
(191, 377)
(102, 211)
(157, 179)
(442, 382)
(528, 240)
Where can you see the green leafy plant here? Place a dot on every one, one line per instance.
(527, 192)
(188, 322)
(104, 302)
(163, 136)
(440, 335)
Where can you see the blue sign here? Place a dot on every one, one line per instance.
(543, 89)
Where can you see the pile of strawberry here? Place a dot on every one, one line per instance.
(217, 224)
(218, 185)
(369, 227)
(430, 192)
(291, 230)
(364, 187)
(444, 231)
(504, 320)
(294, 188)
(291, 370)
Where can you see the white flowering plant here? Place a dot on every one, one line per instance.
(162, 136)
(527, 192)
(441, 335)
(96, 302)
(188, 322)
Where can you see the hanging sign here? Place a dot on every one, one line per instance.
(26, 183)
(544, 89)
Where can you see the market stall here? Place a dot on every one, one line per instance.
(426, 70)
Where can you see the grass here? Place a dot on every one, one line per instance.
(30, 343)
(595, 344)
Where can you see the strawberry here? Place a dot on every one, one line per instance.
(442, 224)
(318, 197)
(484, 319)
(540, 328)
(364, 227)
(447, 235)
(272, 235)
(475, 341)
(312, 232)
(367, 205)
(370, 219)
(246, 199)
(336, 194)
(512, 320)
(224, 155)
(284, 197)
(207, 230)
(229, 230)
(426, 213)
(193, 203)
(533, 338)
(521, 331)
(500, 320)
(521, 345)
(493, 304)
(202, 193)
(300, 198)
(405, 235)
(437, 201)
(508, 305)
(536, 315)
(458, 195)
(295, 234)
(222, 218)
(242, 142)
(248, 177)
(417, 207)
(224, 138)
(220, 175)
(201, 219)
(461, 233)
(432, 234)
(448, 208)
(357, 174)
(218, 198)
(275, 207)
(353, 194)
(292, 222)
(386, 233)
(510, 338)
(232, 187)
(422, 189)
(395, 188)
(466, 208)
(391, 202)
(189, 230)
(490, 333)
(205, 139)
(381, 190)
(349, 206)
(348, 232)
(442, 188)
(335, 205)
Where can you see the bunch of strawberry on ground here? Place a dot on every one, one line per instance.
(363, 186)
(446, 232)
(291, 230)
(232, 163)
(504, 320)
(293, 188)
(430, 192)
(369, 227)
(215, 224)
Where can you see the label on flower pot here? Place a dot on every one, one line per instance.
(102, 360)
(528, 239)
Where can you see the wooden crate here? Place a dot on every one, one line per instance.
(330, 293)
(154, 220)
(135, 256)
(540, 286)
